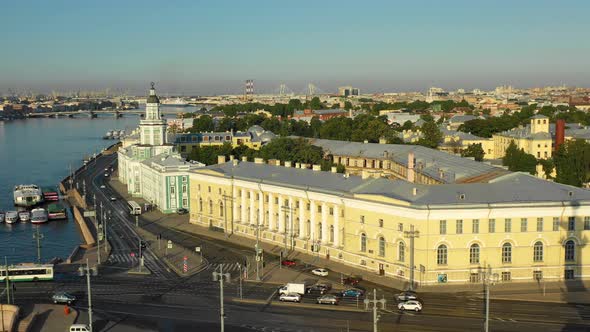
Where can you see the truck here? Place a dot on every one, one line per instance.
(298, 288)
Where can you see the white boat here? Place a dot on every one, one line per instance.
(11, 217)
(24, 215)
(27, 195)
(2, 217)
(177, 102)
(39, 216)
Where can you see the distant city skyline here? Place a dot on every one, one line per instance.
(208, 48)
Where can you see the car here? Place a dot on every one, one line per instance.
(351, 292)
(352, 280)
(288, 262)
(63, 297)
(320, 272)
(106, 174)
(407, 295)
(182, 211)
(328, 299)
(290, 297)
(102, 186)
(113, 199)
(319, 288)
(410, 305)
(79, 328)
(142, 244)
(106, 169)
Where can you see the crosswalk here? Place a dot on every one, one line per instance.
(122, 258)
(227, 267)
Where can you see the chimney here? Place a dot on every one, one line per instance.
(244, 158)
(559, 133)
(287, 164)
(414, 191)
(334, 169)
(234, 162)
(258, 161)
(231, 157)
(297, 165)
(277, 162)
(221, 159)
(411, 161)
(317, 168)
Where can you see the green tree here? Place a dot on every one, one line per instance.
(475, 151)
(202, 124)
(519, 161)
(316, 104)
(347, 105)
(432, 135)
(572, 162)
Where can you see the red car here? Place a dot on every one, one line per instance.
(352, 280)
(288, 262)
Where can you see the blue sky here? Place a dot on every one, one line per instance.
(210, 47)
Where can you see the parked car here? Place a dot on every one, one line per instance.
(288, 262)
(410, 305)
(63, 297)
(328, 299)
(319, 288)
(320, 272)
(182, 211)
(407, 295)
(290, 297)
(79, 328)
(106, 174)
(113, 199)
(352, 280)
(102, 186)
(351, 292)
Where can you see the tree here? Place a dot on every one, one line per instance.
(475, 151)
(347, 105)
(202, 124)
(519, 161)
(316, 104)
(432, 135)
(572, 162)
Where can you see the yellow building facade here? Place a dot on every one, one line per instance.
(520, 227)
(534, 139)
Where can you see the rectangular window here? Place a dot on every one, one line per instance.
(184, 202)
(308, 207)
(555, 224)
(172, 190)
(506, 276)
(539, 224)
(184, 179)
(475, 226)
(571, 223)
(209, 188)
(443, 227)
(586, 223)
(276, 200)
(492, 226)
(459, 226)
(362, 219)
(507, 225)
(523, 224)
(400, 227)
(297, 205)
(331, 211)
(538, 275)
(380, 222)
(569, 274)
(319, 209)
(474, 277)
(184, 188)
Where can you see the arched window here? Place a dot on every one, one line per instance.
(441, 255)
(381, 246)
(570, 250)
(401, 252)
(474, 254)
(538, 251)
(332, 233)
(506, 253)
(200, 205)
(210, 207)
(363, 242)
(221, 209)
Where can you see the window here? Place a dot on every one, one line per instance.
(401, 252)
(507, 225)
(492, 225)
(209, 188)
(380, 222)
(362, 219)
(443, 227)
(539, 224)
(276, 200)
(308, 206)
(221, 209)
(506, 276)
(200, 205)
(474, 254)
(184, 202)
(400, 227)
(319, 208)
(172, 190)
(474, 277)
(555, 224)
(569, 274)
(331, 233)
(331, 211)
(538, 251)
(441, 255)
(297, 205)
(571, 223)
(382, 247)
(210, 206)
(506, 253)
(538, 275)
(523, 224)
(459, 226)
(586, 223)
(184, 188)
(570, 250)
(363, 242)
(475, 226)
(219, 191)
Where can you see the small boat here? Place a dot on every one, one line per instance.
(24, 215)
(50, 194)
(2, 217)
(56, 211)
(39, 216)
(27, 195)
(11, 217)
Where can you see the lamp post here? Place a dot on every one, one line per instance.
(374, 301)
(258, 251)
(86, 271)
(219, 276)
(489, 279)
(411, 234)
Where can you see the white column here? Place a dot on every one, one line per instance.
(244, 211)
(312, 224)
(281, 215)
(252, 208)
(271, 212)
(336, 226)
(290, 216)
(302, 232)
(234, 203)
(260, 209)
(324, 223)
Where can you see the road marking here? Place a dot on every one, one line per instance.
(500, 319)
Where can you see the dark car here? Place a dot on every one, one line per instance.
(351, 292)
(407, 295)
(319, 288)
(63, 297)
(143, 245)
(352, 280)
(182, 211)
(288, 262)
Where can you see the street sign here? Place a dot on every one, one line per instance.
(198, 249)
(169, 244)
(132, 254)
(258, 258)
(184, 258)
(89, 214)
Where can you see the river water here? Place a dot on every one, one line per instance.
(40, 151)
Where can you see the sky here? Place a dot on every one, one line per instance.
(209, 47)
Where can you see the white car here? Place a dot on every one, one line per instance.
(291, 297)
(102, 186)
(320, 272)
(113, 199)
(410, 305)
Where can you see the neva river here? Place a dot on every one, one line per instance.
(40, 151)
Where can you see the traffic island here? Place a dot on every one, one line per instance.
(297, 305)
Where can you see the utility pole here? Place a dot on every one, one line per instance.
(140, 256)
(240, 293)
(89, 295)
(289, 227)
(38, 236)
(374, 301)
(489, 278)
(105, 231)
(257, 250)
(411, 234)
(219, 276)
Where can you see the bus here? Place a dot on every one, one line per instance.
(134, 208)
(27, 272)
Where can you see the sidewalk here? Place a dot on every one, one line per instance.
(47, 317)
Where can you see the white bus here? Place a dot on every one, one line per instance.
(27, 272)
(134, 208)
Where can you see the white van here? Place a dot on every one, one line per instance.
(79, 328)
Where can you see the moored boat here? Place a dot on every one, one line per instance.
(56, 211)
(2, 217)
(50, 194)
(24, 215)
(11, 217)
(39, 216)
(27, 195)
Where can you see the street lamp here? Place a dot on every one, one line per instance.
(411, 234)
(86, 272)
(489, 279)
(219, 276)
(258, 251)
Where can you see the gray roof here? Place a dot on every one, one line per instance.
(524, 132)
(539, 116)
(171, 161)
(462, 118)
(457, 168)
(508, 189)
